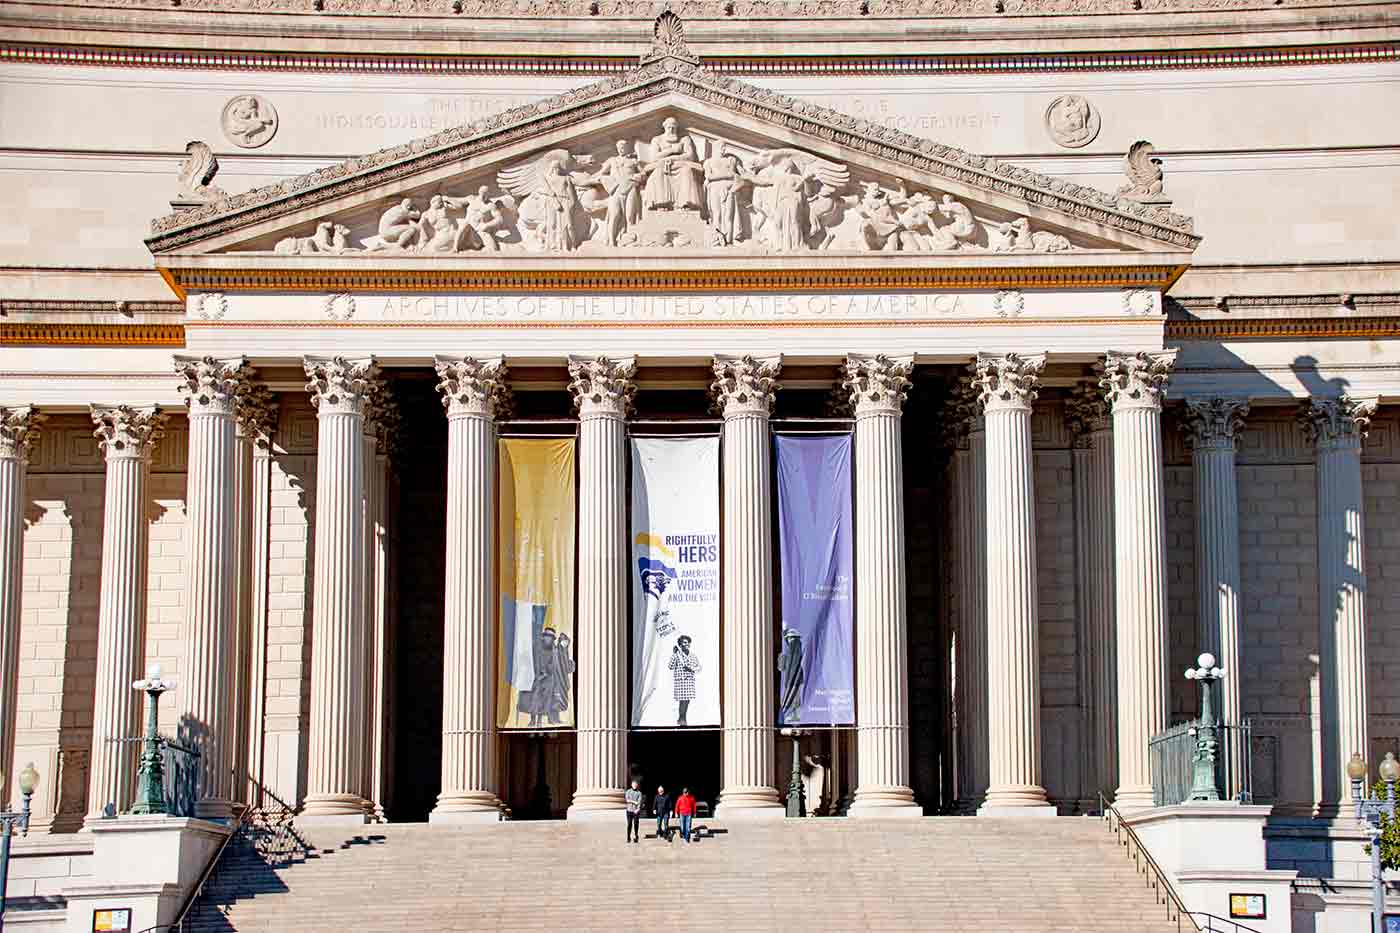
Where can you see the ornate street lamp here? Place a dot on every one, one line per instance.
(1203, 777)
(1369, 810)
(794, 791)
(150, 785)
(28, 780)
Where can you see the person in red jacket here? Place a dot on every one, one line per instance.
(685, 809)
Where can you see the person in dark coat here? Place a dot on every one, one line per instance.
(662, 806)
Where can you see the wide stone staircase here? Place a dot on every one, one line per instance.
(804, 876)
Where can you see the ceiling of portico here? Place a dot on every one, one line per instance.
(670, 166)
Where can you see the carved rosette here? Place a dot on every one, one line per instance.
(19, 429)
(124, 432)
(1136, 380)
(1213, 423)
(256, 417)
(339, 386)
(1337, 422)
(1008, 383)
(1086, 412)
(602, 387)
(878, 385)
(744, 385)
(471, 387)
(210, 386)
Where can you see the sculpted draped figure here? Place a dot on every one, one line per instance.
(689, 190)
(674, 177)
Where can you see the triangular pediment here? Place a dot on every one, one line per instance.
(672, 159)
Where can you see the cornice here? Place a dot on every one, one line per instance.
(1285, 328)
(42, 334)
(754, 279)
(751, 66)
(668, 75)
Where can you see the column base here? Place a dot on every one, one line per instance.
(467, 807)
(1018, 811)
(441, 817)
(332, 809)
(214, 808)
(750, 803)
(888, 801)
(1133, 798)
(597, 804)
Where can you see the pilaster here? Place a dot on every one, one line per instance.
(744, 388)
(1009, 386)
(1211, 426)
(208, 716)
(127, 437)
(878, 387)
(19, 428)
(602, 390)
(339, 389)
(473, 392)
(1337, 428)
(1134, 384)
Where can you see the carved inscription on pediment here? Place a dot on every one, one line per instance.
(679, 190)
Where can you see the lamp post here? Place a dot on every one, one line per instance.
(28, 780)
(1369, 810)
(794, 791)
(1203, 776)
(150, 784)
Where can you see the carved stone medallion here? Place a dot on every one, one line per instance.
(1072, 121)
(249, 121)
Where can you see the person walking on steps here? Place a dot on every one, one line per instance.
(662, 805)
(685, 809)
(633, 799)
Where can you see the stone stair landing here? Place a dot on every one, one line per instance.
(963, 874)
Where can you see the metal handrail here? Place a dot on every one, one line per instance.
(1157, 879)
(1211, 919)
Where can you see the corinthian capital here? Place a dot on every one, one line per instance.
(1008, 383)
(339, 386)
(877, 384)
(387, 422)
(744, 385)
(19, 429)
(1086, 412)
(1337, 422)
(128, 433)
(1212, 423)
(210, 386)
(1136, 380)
(602, 387)
(471, 386)
(257, 415)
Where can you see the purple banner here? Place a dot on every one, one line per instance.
(815, 658)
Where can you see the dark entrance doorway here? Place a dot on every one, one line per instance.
(676, 759)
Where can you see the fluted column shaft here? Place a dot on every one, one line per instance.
(338, 389)
(602, 389)
(243, 612)
(1338, 427)
(367, 662)
(127, 437)
(18, 431)
(877, 387)
(1013, 662)
(208, 716)
(745, 388)
(471, 390)
(258, 605)
(1134, 384)
(977, 602)
(377, 608)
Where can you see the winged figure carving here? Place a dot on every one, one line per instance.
(548, 188)
(197, 171)
(1144, 173)
(786, 181)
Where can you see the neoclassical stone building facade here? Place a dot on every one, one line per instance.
(1112, 332)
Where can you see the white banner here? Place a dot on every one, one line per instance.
(675, 582)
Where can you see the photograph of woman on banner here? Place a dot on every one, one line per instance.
(656, 580)
(793, 678)
(548, 695)
(684, 666)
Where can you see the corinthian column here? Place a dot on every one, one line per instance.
(386, 427)
(1211, 426)
(877, 387)
(208, 716)
(473, 391)
(257, 420)
(1093, 530)
(744, 388)
(18, 431)
(1009, 386)
(251, 420)
(335, 779)
(1337, 427)
(127, 437)
(1133, 384)
(602, 391)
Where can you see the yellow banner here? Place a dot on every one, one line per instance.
(535, 689)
